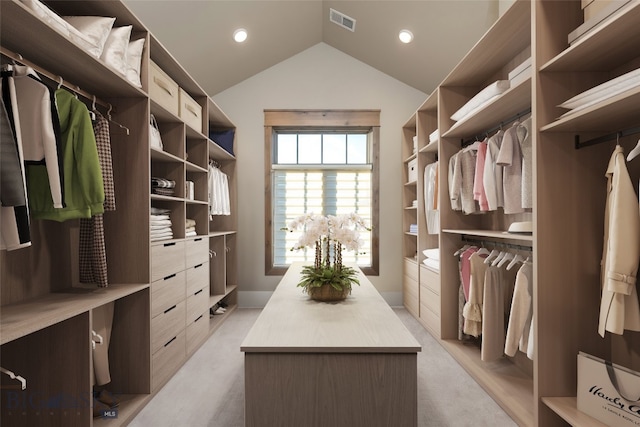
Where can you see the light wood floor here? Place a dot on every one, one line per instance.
(209, 389)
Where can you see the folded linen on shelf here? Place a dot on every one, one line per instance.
(159, 211)
(601, 92)
(481, 98)
(432, 253)
(162, 183)
(167, 232)
(162, 186)
(158, 217)
(163, 191)
(155, 239)
(433, 264)
(161, 232)
(433, 136)
(161, 223)
(155, 227)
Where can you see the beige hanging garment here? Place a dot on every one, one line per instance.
(619, 308)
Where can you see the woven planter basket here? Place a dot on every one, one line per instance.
(327, 293)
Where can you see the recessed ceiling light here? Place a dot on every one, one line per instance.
(240, 35)
(405, 36)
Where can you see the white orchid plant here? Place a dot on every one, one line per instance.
(324, 233)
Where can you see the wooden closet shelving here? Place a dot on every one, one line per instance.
(607, 51)
(409, 216)
(46, 314)
(492, 234)
(569, 195)
(517, 99)
(23, 318)
(421, 288)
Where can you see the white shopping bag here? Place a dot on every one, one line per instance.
(609, 393)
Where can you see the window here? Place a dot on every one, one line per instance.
(314, 163)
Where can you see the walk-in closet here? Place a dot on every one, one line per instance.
(146, 193)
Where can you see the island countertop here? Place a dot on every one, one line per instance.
(293, 323)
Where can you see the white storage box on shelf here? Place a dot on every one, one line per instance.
(595, 13)
(163, 90)
(412, 170)
(593, 8)
(520, 73)
(190, 111)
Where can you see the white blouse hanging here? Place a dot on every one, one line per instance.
(219, 203)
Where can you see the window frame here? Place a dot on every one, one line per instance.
(321, 120)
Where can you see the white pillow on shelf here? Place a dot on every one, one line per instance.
(95, 30)
(134, 60)
(47, 15)
(114, 53)
(481, 98)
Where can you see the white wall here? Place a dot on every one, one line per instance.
(320, 77)
(503, 5)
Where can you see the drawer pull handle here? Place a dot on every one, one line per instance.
(169, 244)
(169, 309)
(198, 292)
(198, 239)
(171, 340)
(191, 109)
(198, 266)
(163, 85)
(170, 276)
(199, 317)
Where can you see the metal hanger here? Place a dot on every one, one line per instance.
(634, 153)
(114, 122)
(23, 382)
(95, 339)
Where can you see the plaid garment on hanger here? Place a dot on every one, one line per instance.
(93, 254)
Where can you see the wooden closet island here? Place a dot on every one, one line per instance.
(310, 363)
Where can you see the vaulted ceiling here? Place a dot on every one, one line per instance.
(199, 35)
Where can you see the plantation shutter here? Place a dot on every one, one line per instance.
(323, 191)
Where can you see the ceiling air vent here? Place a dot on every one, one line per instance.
(341, 19)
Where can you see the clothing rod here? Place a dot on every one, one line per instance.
(482, 242)
(605, 138)
(58, 79)
(521, 114)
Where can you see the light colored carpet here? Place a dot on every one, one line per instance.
(209, 389)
